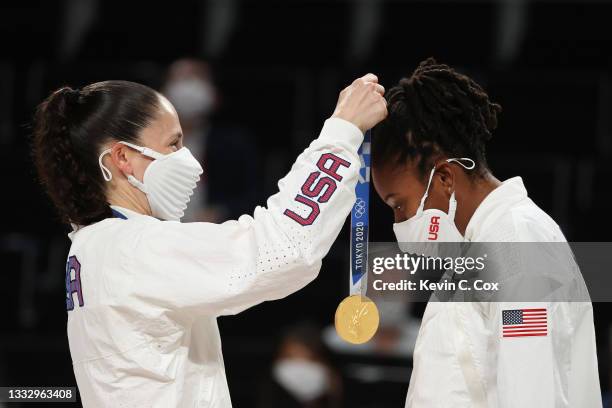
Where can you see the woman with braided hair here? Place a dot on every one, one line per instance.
(429, 166)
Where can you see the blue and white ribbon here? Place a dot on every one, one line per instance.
(360, 222)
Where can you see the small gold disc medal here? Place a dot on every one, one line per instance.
(356, 319)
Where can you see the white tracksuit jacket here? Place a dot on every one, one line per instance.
(461, 358)
(143, 295)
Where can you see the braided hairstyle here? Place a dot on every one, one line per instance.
(71, 127)
(436, 111)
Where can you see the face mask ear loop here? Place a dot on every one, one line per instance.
(144, 150)
(108, 176)
(422, 204)
(452, 204)
(460, 160)
(137, 183)
(452, 207)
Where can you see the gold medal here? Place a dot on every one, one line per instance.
(356, 319)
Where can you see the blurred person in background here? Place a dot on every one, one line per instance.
(429, 167)
(302, 375)
(190, 88)
(143, 290)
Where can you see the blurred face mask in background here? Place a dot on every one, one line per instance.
(191, 97)
(304, 380)
(168, 181)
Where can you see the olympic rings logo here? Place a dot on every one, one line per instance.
(359, 208)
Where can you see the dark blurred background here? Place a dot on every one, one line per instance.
(273, 70)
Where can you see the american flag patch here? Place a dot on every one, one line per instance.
(524, 322)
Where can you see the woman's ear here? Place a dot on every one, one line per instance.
(446, 177)
(441, 187)
(120, 155)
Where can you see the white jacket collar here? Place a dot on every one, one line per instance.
(124, 213)
(494, 205)
(118, 212)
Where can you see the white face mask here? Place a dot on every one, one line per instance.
(192, 97)
(305, 380)
(168, 181)
(421, 233)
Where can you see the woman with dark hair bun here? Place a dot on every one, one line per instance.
(70, 128)
(143, 290)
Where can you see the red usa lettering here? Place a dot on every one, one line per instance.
(318, 188)
(434, 227)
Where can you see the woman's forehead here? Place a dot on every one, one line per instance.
(393, 170)
(164, 126)
(395, 178)
(165, 104)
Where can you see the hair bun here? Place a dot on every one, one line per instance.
(71, 126)
(59, 105)
(69, 96)
(72, 95)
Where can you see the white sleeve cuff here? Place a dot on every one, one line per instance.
(338, 130)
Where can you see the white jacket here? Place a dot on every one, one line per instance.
(145, 294)
(461, 358)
